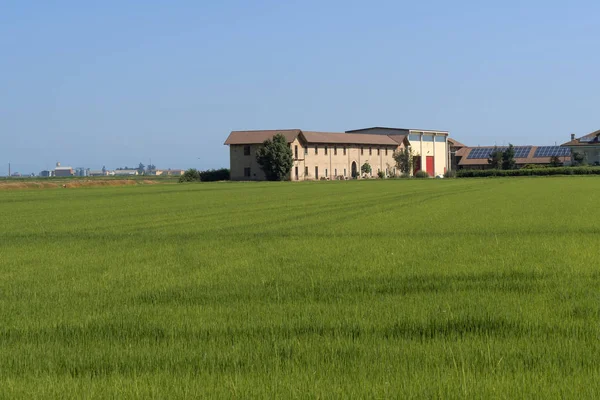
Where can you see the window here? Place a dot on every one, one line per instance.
(296, 153)
(325, 150)
(305, 172)
(344, 171)
(378, 151)
(362, 151)
(386, 149)
(246, 150)
(306, 150)
(344, 150)
(441, 139)
(246, 172)
(316, 149)
(296, 170)
(335, 173)
(427, 138)
(370, 151)
(335, 150)
(414, 138)
(316, 172)
(326, 173)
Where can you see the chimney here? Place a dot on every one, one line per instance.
(572, 136)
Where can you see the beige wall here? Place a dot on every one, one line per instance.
(238, 161)
(329, 164)
(436, 149)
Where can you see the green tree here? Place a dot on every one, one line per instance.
(191, 175)
(579, 158)
(404, 160)
(508, 158)
(150, 168)
(495, 158)
(141, 168)
(275, 158)
(366, 169)
(555, 161)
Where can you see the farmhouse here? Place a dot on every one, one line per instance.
(588, 146)
(465, 157)
(336, 155)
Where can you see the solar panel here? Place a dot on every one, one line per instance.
(551, 151)
(484, 152)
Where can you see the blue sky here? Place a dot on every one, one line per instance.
(118, 82)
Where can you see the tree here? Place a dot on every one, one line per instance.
(275, 158)
(495, 158)
(140, 169)
(191, 175)
(555, 161)
(508, 158)
(366, 169)
(579, 158)
(150, 168)
(404, 160)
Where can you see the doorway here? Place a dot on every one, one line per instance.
(354, 170)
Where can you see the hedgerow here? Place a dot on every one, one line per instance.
(464, 173)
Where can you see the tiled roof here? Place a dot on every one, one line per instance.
(347, 138)
(576, 142)
(256, 137)
(455, 143)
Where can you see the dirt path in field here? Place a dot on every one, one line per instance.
(75, 183)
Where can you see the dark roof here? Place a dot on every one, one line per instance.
(394, 129)
(256, 137)
(594, 136)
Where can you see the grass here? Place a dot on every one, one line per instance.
(407, 288)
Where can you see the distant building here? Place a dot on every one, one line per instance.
(169, 172)
(126, 172)
(82, 171)
(588, 146)
(46, 174)
(63, 171)
(98, 172)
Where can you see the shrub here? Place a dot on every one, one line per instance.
(421, 174)
(213, 175)
(528, 172)
(381, 174)
(534, 166)
(450, 174)
(191, 175)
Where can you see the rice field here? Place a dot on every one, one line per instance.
(482, 288)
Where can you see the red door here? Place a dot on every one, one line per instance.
(430, 167)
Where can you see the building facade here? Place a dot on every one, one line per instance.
(332, 155)
(587, 147)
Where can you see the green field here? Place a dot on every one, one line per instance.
(482, 288)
